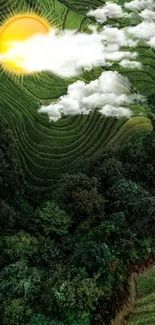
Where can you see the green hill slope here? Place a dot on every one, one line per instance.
(49, 149)
(145, 306)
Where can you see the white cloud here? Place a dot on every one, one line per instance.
(66, 53)
(115, 38)
(106, 94)
(144, 30)
(147, 15)
(119, 55)
(109, 10)
(140, 5)
(118, 112)
(130, 64)
(151, 42)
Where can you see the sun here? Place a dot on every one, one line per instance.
(19, 27)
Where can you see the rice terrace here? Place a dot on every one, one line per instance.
(77, 161)
(49, 149)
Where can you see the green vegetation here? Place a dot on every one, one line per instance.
(47, 150)
(144, 310)
(65, 260)
(77, 197)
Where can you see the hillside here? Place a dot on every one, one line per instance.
(77, 161)
(49, 149)
(145, 305)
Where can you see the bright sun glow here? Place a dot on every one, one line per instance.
(19, 28)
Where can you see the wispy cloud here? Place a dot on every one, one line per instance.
(130, 64)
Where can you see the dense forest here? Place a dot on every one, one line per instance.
(66, 258)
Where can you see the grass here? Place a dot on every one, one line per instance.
(48, 149)
(145, 306)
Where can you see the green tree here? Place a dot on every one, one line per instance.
(52, 220)
(80, 194)
(42, 320)
(15, 312)
(8, 219)
(11, 176)
(109, 171)
(77, 318)
(94, 256)
(143, 215)
(18, 280)
(123, 194)
(21, 246)
(49, 254)
(88, 202)
(137, 157)
(69, 291)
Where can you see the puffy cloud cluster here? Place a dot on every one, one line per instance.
(145, 30)
(109, 94)
(68, 53)
(140, 5)
(147, 15)
(109, 10)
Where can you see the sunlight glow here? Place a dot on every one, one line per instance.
(17, 29)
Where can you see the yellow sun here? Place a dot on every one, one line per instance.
(19, 28)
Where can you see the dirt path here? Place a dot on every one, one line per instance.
(141, 303)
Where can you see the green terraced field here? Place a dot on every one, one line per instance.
(145, 306)
(49, 149)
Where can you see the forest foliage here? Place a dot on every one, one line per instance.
(65, 258)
